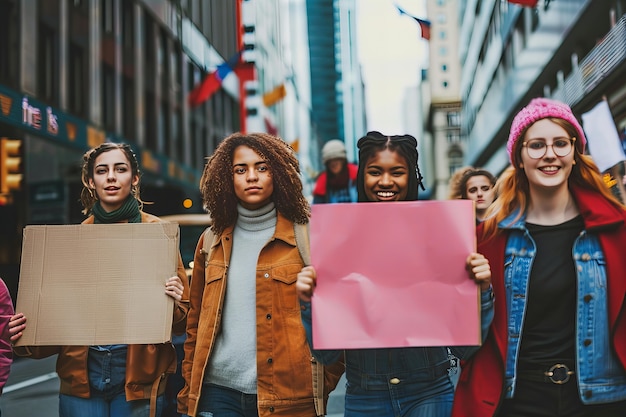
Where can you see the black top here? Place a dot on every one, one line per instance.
(549, 332)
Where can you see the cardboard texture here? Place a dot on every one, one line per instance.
(393, 275)
(97, 284)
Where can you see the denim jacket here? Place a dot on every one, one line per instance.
(601, 377)
(372, 369)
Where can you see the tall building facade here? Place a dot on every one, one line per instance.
(568, 50)
(447, 147)
(337, 90)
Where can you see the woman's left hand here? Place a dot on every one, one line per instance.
(174, 288)
(479, 269)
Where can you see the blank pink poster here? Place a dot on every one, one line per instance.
(393, 275)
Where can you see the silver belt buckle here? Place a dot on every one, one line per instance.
(559, 374)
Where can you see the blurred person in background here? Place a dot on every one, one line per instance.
(113, 380)
(478, 185)
(337, 184)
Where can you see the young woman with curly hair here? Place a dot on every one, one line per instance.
(246, 352)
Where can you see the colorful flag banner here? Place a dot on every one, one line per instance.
(603, 139)
(274, 96)
(212, 82)
(424, 24)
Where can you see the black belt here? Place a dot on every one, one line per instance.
(557, 374)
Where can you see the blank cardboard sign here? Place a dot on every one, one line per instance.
(97, 284)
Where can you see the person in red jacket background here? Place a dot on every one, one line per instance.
(337, 184)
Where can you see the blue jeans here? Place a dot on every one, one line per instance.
(428, 398)
(98, 406)
(217, 401)
(106, 367)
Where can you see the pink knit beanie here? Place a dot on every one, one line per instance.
(541, 108)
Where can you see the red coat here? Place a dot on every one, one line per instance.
(320, 184)
(479, 390)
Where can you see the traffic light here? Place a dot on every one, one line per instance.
(10, 165)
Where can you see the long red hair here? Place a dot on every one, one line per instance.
(512, 186)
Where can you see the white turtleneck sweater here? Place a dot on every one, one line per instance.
(233, 360)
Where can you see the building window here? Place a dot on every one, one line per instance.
(455, 160)
(443, 51)
(454, 119)
(77, 88)
(444, 84)
(47, 68)
(128, 108)
(107, 16)
(108, 97)
(9, 33)
(444, 67)
(453, 137)
(442, 35)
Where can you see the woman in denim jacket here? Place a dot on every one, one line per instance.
(555, 239)
(402, 382)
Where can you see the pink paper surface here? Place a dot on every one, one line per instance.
(393, 275)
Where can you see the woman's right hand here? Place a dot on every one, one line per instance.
(305, 285)
(17, 324)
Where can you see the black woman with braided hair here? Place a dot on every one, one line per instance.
(399, 382)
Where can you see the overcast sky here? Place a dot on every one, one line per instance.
(392, 54)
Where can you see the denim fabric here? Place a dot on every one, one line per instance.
(106, 366)
(107, 370)
(429, 398)
(217, 401)
(98, 406)
(599, 374)
(399, 381)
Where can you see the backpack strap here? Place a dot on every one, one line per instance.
(302, 242)
(304, 247)
(209, 238)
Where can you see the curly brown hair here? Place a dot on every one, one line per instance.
(217, 183)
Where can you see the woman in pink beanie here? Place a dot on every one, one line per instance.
(555, 239)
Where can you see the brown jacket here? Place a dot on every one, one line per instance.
(284, 372)
(147, 366)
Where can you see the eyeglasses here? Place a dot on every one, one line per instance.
(537, 148)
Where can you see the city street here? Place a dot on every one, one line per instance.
(33, 390)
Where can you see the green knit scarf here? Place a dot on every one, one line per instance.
(128, 211)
